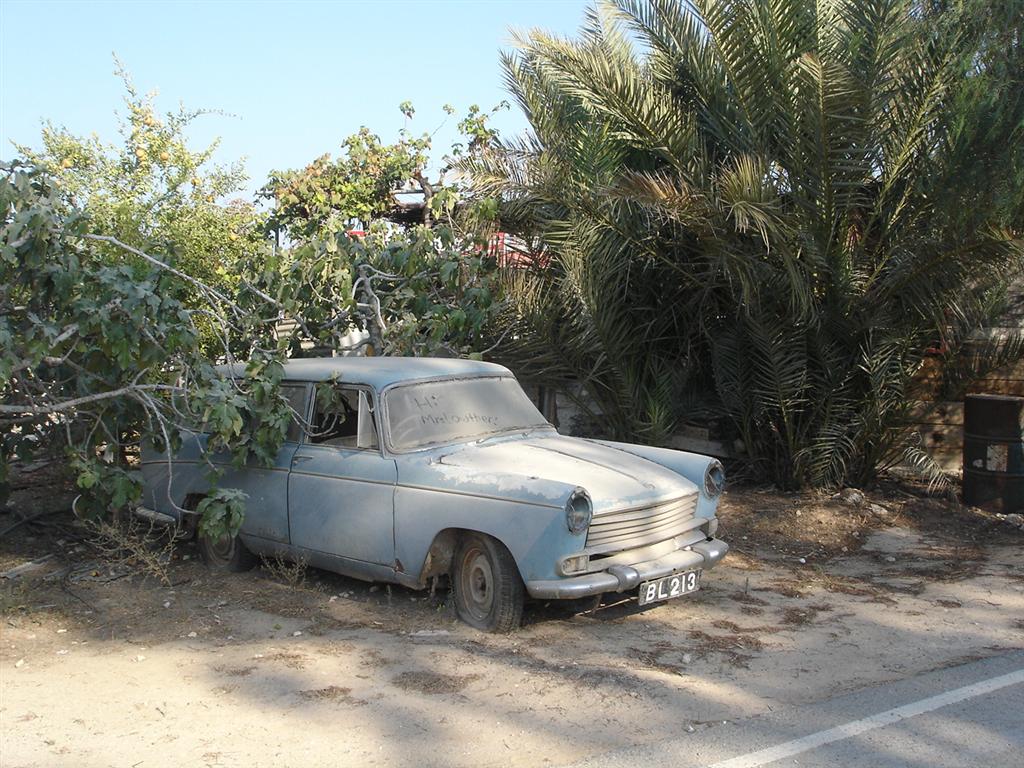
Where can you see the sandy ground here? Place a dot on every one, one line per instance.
(248, 670)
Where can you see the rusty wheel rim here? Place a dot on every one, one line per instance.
(477, 582)
(221, 549)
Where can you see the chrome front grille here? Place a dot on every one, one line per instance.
(640, 526)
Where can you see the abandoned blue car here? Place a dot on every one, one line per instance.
(422, 467)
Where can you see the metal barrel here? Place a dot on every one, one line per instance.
(994, 452)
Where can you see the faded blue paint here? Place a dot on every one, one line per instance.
(524, 511)
(340, 502)
(378, 372)
(692, 466)
(266, 488)
(549, 460)
(375, 514)
(186, 476)
(536, 536)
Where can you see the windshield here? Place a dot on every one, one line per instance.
(462, 409)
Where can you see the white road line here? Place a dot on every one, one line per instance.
(882, 719)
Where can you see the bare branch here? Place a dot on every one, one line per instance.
(65, 405)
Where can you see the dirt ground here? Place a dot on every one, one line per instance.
(101, 665)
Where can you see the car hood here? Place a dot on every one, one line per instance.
(553, 465)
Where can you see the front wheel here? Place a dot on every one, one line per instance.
(226, 553)
(489, 591)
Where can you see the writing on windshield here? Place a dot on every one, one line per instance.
(439, 412)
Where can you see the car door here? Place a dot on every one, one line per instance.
(341, 487)
(266, 488)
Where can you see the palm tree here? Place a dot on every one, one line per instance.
(750, 208)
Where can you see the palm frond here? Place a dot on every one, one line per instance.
(759, 205)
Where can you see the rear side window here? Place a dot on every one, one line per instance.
(295, 394)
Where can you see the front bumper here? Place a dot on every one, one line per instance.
(621, 578)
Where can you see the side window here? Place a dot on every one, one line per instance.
(336, 418)
(295, 394)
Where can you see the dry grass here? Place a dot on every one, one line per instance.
(373, 658)
(652, 659)
(748, 599)
(432, 682)
(736, 629)
(288, 658)
(233, 671)
(939, 569)
(140, 545)
(763, 524)
(289, 572)
(335, 693)
(846, 585)
(736, 648)
(785, 587)
(797, 617)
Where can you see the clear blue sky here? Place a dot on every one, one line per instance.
(295, 77)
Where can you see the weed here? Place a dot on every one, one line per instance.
(290, 572)
(142, 545)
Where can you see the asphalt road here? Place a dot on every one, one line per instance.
(965, 716)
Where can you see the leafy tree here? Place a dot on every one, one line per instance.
(94, 350)
(423, 285)
(123, 279)
(152, 191)
(419, 292)
(986, 124)
(361, 184)
(358, 185)
(766, 211)
(98, 349)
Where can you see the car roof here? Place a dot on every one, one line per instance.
(380, 372)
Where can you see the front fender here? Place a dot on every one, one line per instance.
(536, 536)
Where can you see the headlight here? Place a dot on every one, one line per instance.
(714, 479)
(578, 511)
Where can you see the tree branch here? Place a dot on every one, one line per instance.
(42, 410)
(184, 276)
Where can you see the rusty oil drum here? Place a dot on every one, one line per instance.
(994, 452)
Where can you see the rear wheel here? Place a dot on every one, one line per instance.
(489, 591)
(226, 553)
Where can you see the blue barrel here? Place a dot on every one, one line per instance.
(994, 452)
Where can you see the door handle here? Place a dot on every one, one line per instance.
(300, 459)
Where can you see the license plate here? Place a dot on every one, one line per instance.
(670, 586)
